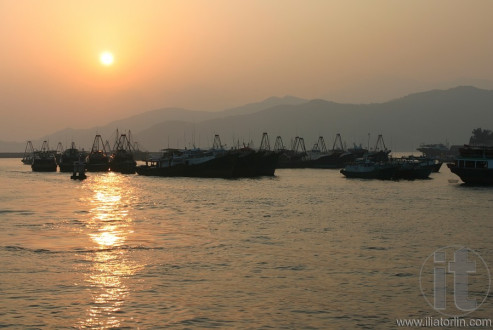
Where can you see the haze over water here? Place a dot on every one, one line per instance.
(305, 249)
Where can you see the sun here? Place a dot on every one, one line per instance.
(106, 58)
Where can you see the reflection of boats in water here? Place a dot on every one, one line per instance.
(474, 165)
(44, 160)
(27, 159)
(97, 160)
(122, 159)
(68, 157)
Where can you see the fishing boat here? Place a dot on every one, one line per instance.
(68, 157)
(44, 160)
(297, 157)
(318, 157)
(338, 157)
(190, 163)
(474, 165)
(253, 163)
(97, 160)
(412, 168)
(122, 159)
(368, 169)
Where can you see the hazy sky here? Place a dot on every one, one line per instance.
(216, 54)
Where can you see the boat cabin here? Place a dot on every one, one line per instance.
(474, 163)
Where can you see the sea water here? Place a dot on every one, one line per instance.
(304, 249)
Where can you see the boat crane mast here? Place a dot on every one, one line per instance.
(217, 145)
(59, 148)
(124, 143)
(29, 149)
(265, 144)
(45, 147)
(98, 144)
(299, 143)
(279, 146)
(338, 143)
(380, 145)
(320, 145)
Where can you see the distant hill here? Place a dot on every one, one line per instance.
(431, 117)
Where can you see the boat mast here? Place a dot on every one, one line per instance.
(265, 144)
(321, 145)
(98, 145)
(279, 146)
(217, 145)
(380, 145)
(338, 142)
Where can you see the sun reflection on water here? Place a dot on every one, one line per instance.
(109, 227)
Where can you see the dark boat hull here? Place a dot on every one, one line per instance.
(97, 163)
(335, 160)
(332, 161)
(414, 173)
(255, 163)
(475, 176)
(220, 167)
(44, 165)
(123, 162)
(436, 167)
(380, 174)
(124, 167)
(67, 165)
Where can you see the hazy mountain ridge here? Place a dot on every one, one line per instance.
(431, 117)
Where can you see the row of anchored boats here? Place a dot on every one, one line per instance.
(120, 159)
(474, 165)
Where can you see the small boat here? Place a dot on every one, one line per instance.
(97, 160)
(474, 165)
(368, 169)
(44, 160)
(79, 170)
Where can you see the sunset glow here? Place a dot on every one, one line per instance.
(223, 54)
(106, 58)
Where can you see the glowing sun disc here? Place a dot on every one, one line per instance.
(106, 58)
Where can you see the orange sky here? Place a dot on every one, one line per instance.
(215, 54)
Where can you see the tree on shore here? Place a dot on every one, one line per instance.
(481, 137)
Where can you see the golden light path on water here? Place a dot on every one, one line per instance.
(109, 226)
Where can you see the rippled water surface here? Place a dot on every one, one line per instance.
(305, 249)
